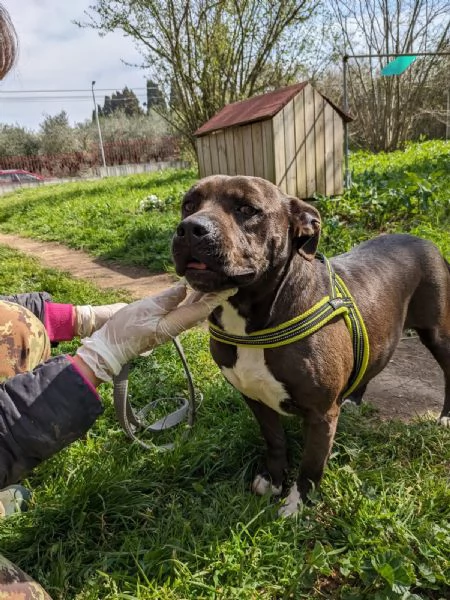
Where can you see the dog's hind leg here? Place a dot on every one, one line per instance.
(319, 435)
(270, 478)
(438, 343)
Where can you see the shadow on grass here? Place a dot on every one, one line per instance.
(147, 247)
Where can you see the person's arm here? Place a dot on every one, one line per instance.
(43, 411)
(33, 301)
(63, 322)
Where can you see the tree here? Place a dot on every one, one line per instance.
(155, 97)
(119, 127)
(18, 141)
(125, 101)
(386, 108)
(207, 53)
(56, 134)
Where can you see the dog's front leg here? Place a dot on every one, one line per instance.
(270, 478)
(319, 436)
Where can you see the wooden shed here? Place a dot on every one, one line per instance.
(292, 137)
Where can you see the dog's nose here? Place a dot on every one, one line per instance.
(195, 227)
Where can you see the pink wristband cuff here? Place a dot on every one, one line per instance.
(59, 321)
(90, 385)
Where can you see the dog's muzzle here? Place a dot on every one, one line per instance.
(196, 252)
(200, 252)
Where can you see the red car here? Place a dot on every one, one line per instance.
(9, 176)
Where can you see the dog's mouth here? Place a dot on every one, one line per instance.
(207, 277)
(197, 265)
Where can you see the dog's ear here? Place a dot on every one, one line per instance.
(305, 222)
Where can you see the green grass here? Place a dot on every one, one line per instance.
(113, 521)
(402, 191)
(102, 217)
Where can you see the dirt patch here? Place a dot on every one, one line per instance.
(411, 385)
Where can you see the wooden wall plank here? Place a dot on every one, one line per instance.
(278, 148)
(289, 148)
(258, 154)
(329, 148)
(230, 152)
(310, 141)
(214, 151)
(239, 151)
(222, 153)
(207, 155)
(338, 129)
(319, 124)
(247, 143)
(300, 143)
(200, 158)
(267, 151)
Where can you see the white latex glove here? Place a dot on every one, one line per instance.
(143, 325)
(90, 318)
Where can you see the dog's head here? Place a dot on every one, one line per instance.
(236, 230)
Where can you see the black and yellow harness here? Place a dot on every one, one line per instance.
(338, 303)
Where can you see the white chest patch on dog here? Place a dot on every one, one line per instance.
(250, 374)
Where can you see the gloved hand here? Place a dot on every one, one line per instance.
(90, 318)
(143, 325)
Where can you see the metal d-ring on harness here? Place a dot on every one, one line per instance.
(132, 421)
(338, 303)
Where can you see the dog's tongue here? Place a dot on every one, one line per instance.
(197, 265)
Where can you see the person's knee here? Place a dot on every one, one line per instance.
(24, 342)
(14, 583)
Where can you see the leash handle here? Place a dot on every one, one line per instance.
(132, 421)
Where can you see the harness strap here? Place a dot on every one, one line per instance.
(338, 303)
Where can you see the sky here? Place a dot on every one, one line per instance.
(55, 54)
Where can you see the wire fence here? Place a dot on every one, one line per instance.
(85, 162)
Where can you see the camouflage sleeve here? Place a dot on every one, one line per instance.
(17, 585)
(24, 342)
(42, 412)
(33, 301)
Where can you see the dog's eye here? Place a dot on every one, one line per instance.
(188, 207)
(247, 210)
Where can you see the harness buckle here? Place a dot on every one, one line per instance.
(338, 302)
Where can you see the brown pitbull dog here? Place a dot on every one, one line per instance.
(244, 232)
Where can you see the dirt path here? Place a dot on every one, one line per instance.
(104, 274)
(411, 385)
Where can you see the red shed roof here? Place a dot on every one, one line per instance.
(257, 108)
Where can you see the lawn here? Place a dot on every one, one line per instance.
(113, 521)
(402, 191)
(102, 217)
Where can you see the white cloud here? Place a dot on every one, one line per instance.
(55, 54)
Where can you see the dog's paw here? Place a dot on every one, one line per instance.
(444, 421)
(262, 486)
(350, 403)
(291, 503)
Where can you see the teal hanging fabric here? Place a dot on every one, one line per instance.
(398, 65)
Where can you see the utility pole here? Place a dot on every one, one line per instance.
(98, 126)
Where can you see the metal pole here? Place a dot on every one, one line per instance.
(347, 177)
(98, 126)
(399, 54)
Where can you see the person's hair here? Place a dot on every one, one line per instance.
(8, 42)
